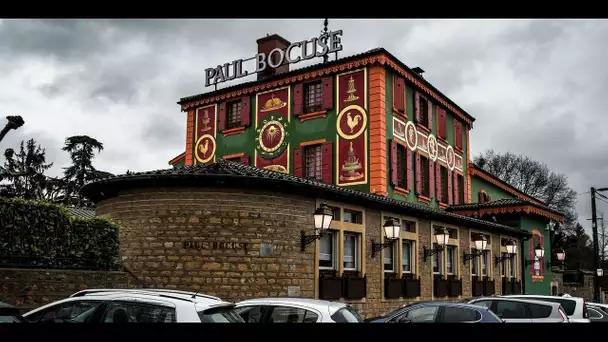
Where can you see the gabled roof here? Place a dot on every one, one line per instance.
(177, 158)
(507, 206)
(225, 173)
(394, 62)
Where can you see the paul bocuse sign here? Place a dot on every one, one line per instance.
(321, 46)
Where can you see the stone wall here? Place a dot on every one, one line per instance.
(239, 244)
(31, 288)
(582, 289)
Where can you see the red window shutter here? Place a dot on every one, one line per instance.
(221, 121)
(438, 194)
(298, 160)
(542, 264)
(456, 189)
(466, 198)
(244, 160)
(430, 116)
(457, 134)
(408, 177)
(417, 107)
(328, 93)
(450, 194)
(245, 111)
(418, 175)
(531, 244)
(298, 99)
(394, 165)
(328, 165)
(399, 93)
(431, 178)
(441, 114)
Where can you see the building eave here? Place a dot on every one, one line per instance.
(178, 158)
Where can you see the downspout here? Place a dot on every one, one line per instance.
(523, 264)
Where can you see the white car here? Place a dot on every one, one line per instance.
(575, 307)
(296, 310)
(135, 306)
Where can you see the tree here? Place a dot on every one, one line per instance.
(533, 178)
(25, 170)
(14, 122)
(81, 149)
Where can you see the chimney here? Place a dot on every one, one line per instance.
(267, 44)
(419, 71)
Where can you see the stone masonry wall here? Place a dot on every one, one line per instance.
(31, 288)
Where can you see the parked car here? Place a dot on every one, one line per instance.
(602, 307)
(515, 310)
(575, 307)
(10, 314)
(135, 306)
(598, 313)
(439, 312)
(296, 310)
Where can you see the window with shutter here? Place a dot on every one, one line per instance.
(401, 166)
(298, 162)
(459, 189)
(313, 97)
(313, 162)
(234, 114)
(423, 105)
(424, 176)
(399, 94)
(457, 135)
(443, 171)
(441, 123)
(450, 179)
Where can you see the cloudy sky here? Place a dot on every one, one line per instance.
(536, 87)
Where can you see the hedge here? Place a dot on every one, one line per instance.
(42, 234)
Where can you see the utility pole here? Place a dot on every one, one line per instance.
(596, 287)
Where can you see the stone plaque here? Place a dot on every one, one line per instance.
(293, 291)
(267, 250)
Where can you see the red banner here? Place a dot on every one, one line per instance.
(205, 133)
(351, 126)
(272, 130)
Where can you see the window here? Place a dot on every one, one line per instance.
(350, 251)
(286, 314)
(313, 100)
(313, 165)
(336, 213)
(460, 194)
(389, 259)
(513, 266)
(401, 167)
(219, 315)
(509, 309)
(407, 256)
(347, 315)
(408, 226)
(353, 216)
(474, 264)
(568, 304)
(137, 312)
(539, 311)
(593, 314)
(424, 314)
(437, 262)
(250, 314)
(453, 233)
(504, 264)
(424, 176)
(423, 104)
(74, 312)
(484, 263)
(460, 315)
(233, 116)
(484, 303)
(451, 260)
(443, 171)
(326, 250)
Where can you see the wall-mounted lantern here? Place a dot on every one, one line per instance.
(481, 242)
(560, 255)
(539, 253)
(391, 234)
(323, 217)
(511, 250)
(441, 238)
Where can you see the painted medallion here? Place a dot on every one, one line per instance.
(271, 136)
(410, 135)
(205, 148)
(432, 146)
(352, 122)
(449, 156)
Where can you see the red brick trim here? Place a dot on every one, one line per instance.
(310, 116)
(178, 158)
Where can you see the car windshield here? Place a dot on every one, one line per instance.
(9, 319)
(220, 315)
(346, 315)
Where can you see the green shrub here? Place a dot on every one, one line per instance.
(41, 234)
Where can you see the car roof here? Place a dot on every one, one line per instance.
(314, 303)
(543, 296)
(523, 300)
(451, 304)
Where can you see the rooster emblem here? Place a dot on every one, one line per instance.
(352, 122)
(204, 147)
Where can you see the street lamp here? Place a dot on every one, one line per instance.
(511, 250)
(441, 238)
(539, 253)
(323, 217)
(480, 242)
(391, 234)
(560, 255)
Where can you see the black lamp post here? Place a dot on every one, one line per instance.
(511, 251)
(323, 217)
(481, 242)
(391, 234)
(441, 238)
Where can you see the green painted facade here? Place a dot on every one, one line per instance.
(531, 223)
(478, 184)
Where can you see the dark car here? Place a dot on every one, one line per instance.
(10, 314)
(439, 312)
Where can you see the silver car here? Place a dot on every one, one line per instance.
(296, 310)
(514, 310)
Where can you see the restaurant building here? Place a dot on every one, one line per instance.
(364, 138)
